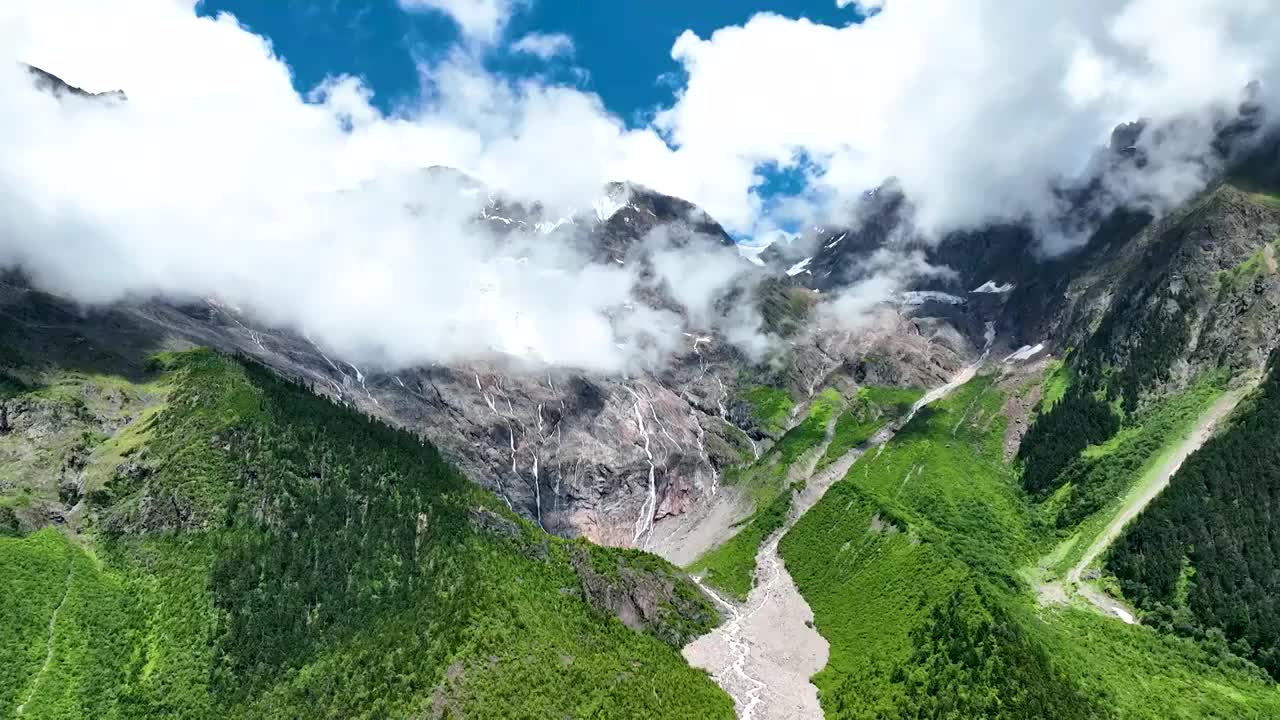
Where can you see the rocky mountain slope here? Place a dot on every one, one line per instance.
(605, 457)
(610, 458)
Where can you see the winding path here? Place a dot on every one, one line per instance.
(48, 654)
(1148, 488)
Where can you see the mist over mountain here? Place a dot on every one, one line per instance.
(916, 366)
(217, 179)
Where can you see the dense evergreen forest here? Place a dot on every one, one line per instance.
(1078, 420)
(973, 659)
(1202, 559)
(258, 551)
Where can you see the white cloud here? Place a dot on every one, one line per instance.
(544, 45)
(888, 271)
(480, 20)
(862, 6)
(216, 179)
(973, 106)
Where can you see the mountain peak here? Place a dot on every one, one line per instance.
(51, 83)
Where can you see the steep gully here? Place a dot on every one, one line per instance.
(765, 653)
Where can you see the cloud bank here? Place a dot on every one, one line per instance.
(974, 106)
(217, 178)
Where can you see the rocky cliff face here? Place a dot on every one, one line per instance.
(1194, 291)
(605, 457)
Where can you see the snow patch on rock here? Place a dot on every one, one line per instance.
(798, 267)
(1026, 352)
(607, 206)
(992, 287)
(548, 227)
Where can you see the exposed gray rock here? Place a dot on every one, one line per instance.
(1205, 273)
(643, 597)
(56, 85)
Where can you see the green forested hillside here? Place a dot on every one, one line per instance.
(1077, 420)
(1202, 560)
(252, 550)
(911, 565)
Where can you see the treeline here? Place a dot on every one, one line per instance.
(1202, 559)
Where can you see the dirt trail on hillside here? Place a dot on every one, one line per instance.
(48, 655)
(1203, 429)
(1060, 592)
(766, 651)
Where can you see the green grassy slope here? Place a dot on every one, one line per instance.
(871, 409)
(946, 470)
(770, 407)
(1137, 672)
(730, 567)
(270, 554)
(911, 567)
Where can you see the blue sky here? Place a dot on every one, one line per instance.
(626, 48)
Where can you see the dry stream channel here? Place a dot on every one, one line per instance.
(766, 651)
